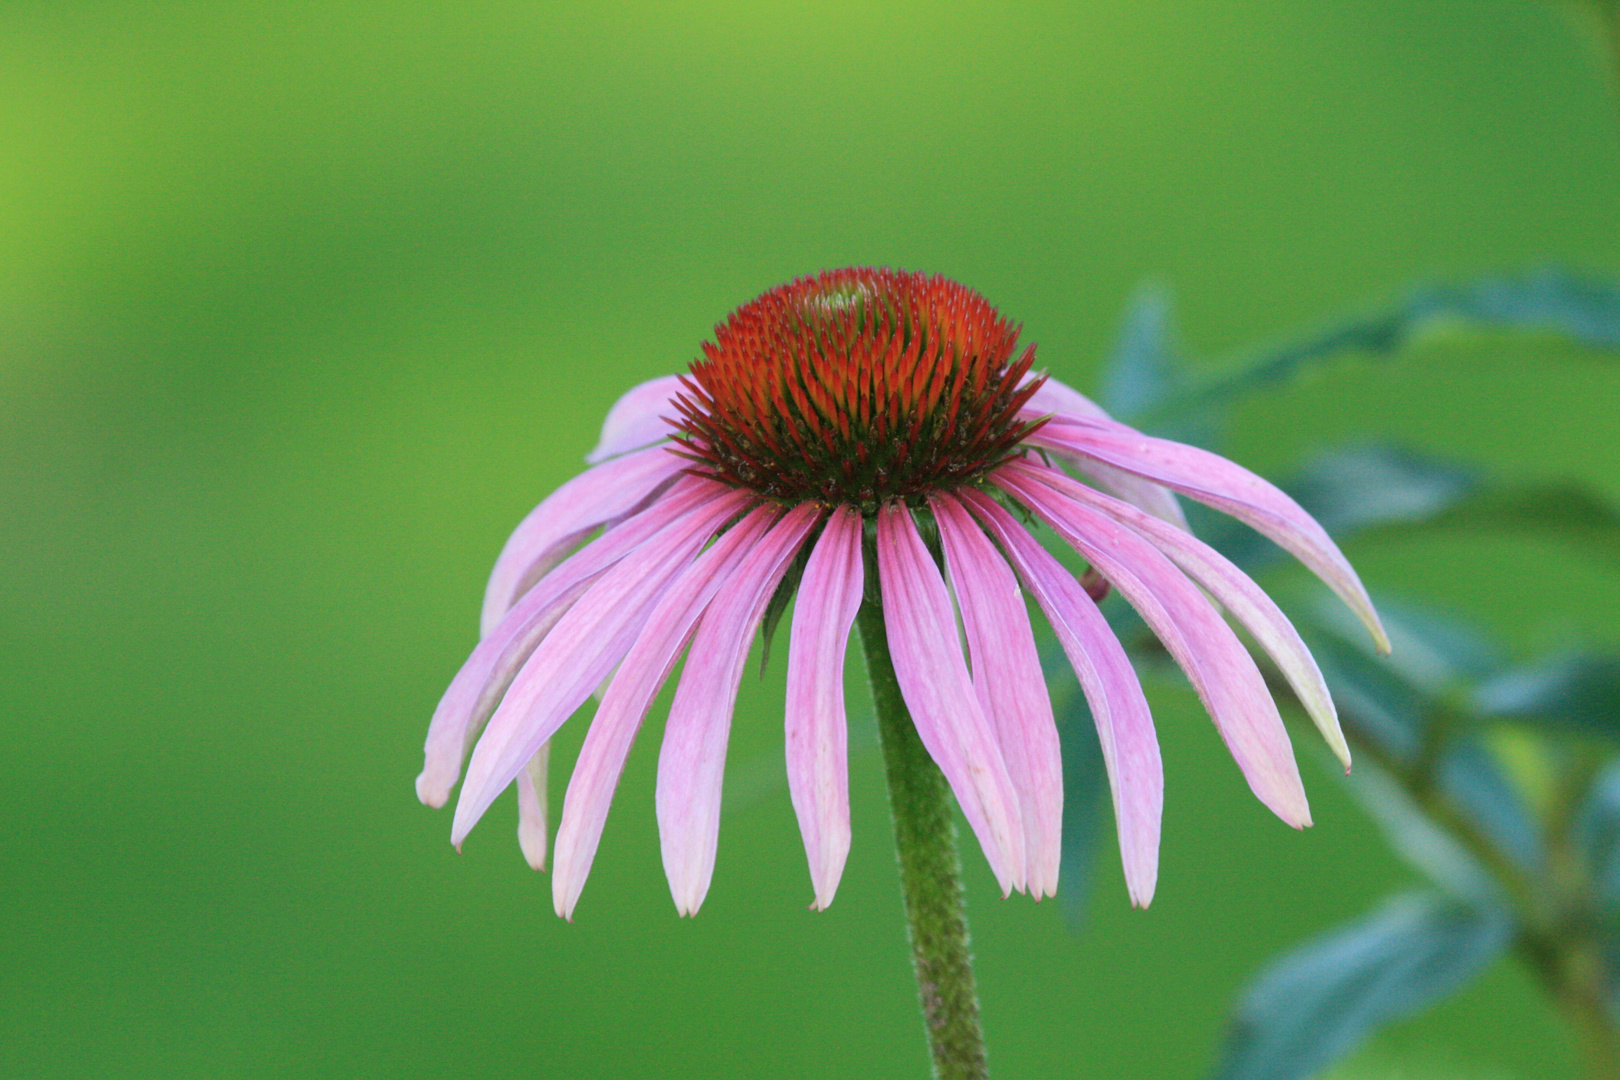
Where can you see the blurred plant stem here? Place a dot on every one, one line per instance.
(930, 871)
(1557, 920)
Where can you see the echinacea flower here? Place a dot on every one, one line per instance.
(858, 417)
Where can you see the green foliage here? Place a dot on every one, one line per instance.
(1421, 721)
(1316, 1003)
(1597, 829)
(1573, 693)
(1144, 368)
(1392, 490)
(1581, 309)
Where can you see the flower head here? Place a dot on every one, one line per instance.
(824, 422)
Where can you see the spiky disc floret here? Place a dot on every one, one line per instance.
(857, 386)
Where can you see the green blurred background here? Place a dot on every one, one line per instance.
(302, 305)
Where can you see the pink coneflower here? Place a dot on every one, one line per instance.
(867, 436)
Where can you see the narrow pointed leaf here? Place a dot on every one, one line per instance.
(1141, 372)
(1583, 309)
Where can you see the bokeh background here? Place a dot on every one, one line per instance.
(304, 304)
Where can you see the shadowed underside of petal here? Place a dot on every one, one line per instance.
(817, 736)
(637, 418)
(532, 821)
(578, 654)
(1011, 687)
(1237, 592)
(1215, 661)
(692, 761)
(565, 517)
(477, 688)
(934, 682)
(1118, 707)
(1065, 402)
(1228, 487)
(624, 705)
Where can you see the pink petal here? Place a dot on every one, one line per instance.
(693, 758)
(1057, 397)
(637, 418)
(1124, 725)
(1220, 669)
(578, 653)
(1212, 479)
(1011, 687)
(817, 734)
(643, 671)
(1064, 402)
(1237, 592)
(532, 822)
(483, 679)
(945, 708)
(566, 516)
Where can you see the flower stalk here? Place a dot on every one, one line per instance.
(930, 870)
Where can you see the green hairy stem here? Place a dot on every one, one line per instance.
(930, 871)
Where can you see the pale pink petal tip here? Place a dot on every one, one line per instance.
(434, 784)
(532, 823)
(816, 733)
(1009, 683)
(1204, 646)
(934, 681)
(579, 653)
(691, 762)
(1225, 485)
(1241, 597)
(624, 705)
(637, 418)
(1124, 725)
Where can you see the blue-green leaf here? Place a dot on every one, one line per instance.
(1377, 484)
(1564, 511)
(1314, 1005)
(1597, 826)
(1388, 700)
(1358, 487)
(1375, 704)
(1472, 778)
(1383, 488)
(1419, 840)
(1585, 310)
(1579, 693)
(1142, 370)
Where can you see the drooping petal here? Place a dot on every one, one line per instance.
(578, 653)
(565, 517)
(1215, 661)
(637, 418)
(483, 679)
(1237, 592)
(934, 682)
(624, 705)
(1228, 487)
(1011, 687)
(532, 819)
(817, 733)
(693, 758)
(1065, 402)
(1118, 707)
